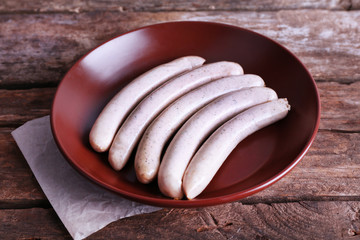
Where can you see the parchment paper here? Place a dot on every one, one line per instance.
(82, 206)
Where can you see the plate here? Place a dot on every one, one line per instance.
(256, 163)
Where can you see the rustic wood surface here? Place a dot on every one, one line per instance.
(319, 199)
(39, 48)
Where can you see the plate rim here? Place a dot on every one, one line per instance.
(168, 202)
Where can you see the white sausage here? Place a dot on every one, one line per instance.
(147, 159)
(130, 132)
(115, 112)
(220, 144)
(187, 140)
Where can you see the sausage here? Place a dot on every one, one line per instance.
(220, 144)
(147, 159)
(115, 112)
(130, 132)
(195, 130)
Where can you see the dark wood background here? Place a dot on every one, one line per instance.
(319, 199)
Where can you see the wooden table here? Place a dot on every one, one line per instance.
(319, 199)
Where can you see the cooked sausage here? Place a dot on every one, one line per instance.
(130, 132)
(115, 112)
(187, 140)
(148, 154)
(220, 144)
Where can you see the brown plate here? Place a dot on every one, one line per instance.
(256, 163)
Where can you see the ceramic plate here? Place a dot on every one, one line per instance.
(256, 163)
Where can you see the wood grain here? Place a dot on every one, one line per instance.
(340, 103)
(34, 223)
(318, 199)
(18, 185)
(332, 173)
(38, 49)
(170, 5)
(19, 106)
(329, 171)
(298, 220)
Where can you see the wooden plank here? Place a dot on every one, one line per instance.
(19, 106)
(298, 220)
(355, 4)
(17, 183)
(34, 223)
(40, 48)
(320, 174)
(169, 5)
(330, 170)
(340, 103)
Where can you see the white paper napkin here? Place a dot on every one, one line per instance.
(82, 206)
